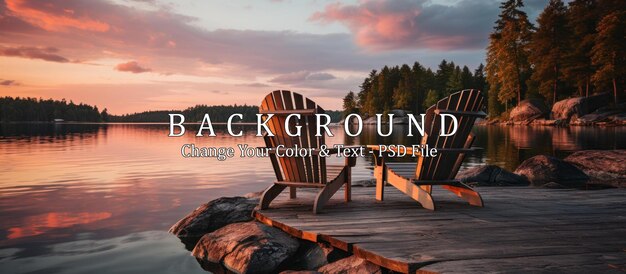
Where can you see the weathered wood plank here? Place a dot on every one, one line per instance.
(520, 229)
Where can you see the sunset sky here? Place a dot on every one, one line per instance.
(131, 56)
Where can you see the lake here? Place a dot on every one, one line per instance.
(99, 198)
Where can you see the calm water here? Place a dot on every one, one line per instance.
(99, 198)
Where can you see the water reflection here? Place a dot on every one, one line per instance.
(107, 185)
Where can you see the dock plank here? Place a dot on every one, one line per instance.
(519, 229)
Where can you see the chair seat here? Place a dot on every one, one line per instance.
(406, 170)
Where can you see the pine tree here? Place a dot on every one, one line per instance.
(467, 79)
(454, 81)
(403, 94)
(507, 54)
(582, 18)
(547, 49)
(349, 104)
(609, 52)
(431, 98)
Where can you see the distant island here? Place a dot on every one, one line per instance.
(48, 110)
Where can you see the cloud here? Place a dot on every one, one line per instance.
(320, 76)
(8, 83)
(405, 24)
(302, 76)
(132, 66)
(255, 85)
(47, 54)
(54, 17)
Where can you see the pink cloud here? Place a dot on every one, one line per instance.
(132, 66)
(54, 17)
(397, 24)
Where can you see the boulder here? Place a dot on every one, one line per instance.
(212, 216)
(529, 110)
(573, 108)
(605, 167)
(351, 264)
(491, 175)
(543, 169)
(607, 115)
(249, 247)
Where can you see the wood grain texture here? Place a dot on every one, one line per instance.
(519, 229)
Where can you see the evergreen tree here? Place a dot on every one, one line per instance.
(582, 18)
(349, 104)
(403, 94)
(609, 52)
(432, 97)
(547, 49)
(467, 79)
(507, 53)
(454, 81)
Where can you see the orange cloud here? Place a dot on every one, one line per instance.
(53, 18)
(132, 66)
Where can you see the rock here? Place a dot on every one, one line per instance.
(607, 115)
(299, 272)
(254, 195)
(544, 122)
(249, 247)
(606, 167)
(529, 110)
(212, 216)
(350, 265)
(542, 169)
(491, 175)
(573, 108)
(311, 256)
(364, 183)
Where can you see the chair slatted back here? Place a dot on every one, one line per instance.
(466, 106)
(282, 103)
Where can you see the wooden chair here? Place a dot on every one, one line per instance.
(300, 172)
(416, 179)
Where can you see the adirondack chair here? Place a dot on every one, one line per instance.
(417, 178)
(300, 172)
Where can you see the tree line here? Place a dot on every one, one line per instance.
(218, 114)
(39, 110)
(575, 50)
(412, 88)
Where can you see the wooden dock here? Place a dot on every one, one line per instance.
(518, 230)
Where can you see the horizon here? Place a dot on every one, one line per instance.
(136, 56)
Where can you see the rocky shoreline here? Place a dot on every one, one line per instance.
(224, 238)
(578, 111)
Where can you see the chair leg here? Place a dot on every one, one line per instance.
(327, 192)
(466, 193)
(348, 187)
(379, 174)
(292, 193)
(270, 194)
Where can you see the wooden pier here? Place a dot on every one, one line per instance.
(518, 230)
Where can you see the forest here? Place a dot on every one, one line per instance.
(40, 110)
(573, 50)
